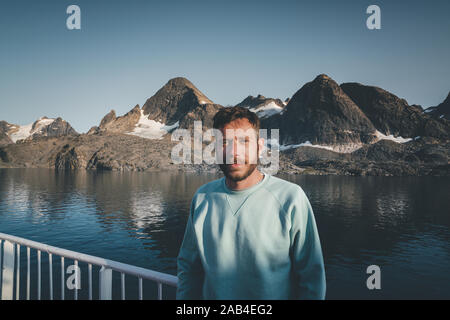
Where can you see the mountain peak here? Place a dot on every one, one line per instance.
(447, 100)
(322, 77)
(440, 111)
(392, 115)
(179, 82)
(262, 106)
(174, 100)
(42, 127)
(111, 116)
(320, 112)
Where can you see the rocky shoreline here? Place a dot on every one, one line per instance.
(122, 152)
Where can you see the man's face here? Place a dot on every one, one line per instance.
(241, 148)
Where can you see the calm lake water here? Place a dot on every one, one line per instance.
(401, 224)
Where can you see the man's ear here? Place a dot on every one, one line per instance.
(261, 146)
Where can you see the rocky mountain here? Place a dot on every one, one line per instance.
(419, 157)
(176, 105)
(4, 137)
(325, 128)
(179, 101)
(203, 113)
(321, 113)
(101, 151)
(262, 106)
(112, 123)
(392, 115)
(43, 127)
(442, 111)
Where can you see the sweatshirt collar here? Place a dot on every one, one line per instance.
(246, 190)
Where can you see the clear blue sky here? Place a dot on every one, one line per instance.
(126, 50)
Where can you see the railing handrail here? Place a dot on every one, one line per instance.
(164, 278)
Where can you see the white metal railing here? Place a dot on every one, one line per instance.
(10, 247)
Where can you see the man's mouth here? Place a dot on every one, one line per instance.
(236, 163)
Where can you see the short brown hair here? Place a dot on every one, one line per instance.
(228, 114)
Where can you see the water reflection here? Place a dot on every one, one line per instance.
(399, 223)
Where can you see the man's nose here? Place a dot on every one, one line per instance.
(231, 147)
(235, 150)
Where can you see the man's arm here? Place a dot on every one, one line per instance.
(306, 251)
(190, 269)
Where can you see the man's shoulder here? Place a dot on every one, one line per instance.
(212, 186)
(204, 191)
(285, 191)
(281, 186)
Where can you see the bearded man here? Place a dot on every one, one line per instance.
(249, 235)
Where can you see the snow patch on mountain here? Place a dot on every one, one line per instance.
(381, 136)
(340, 148)
(151, 129)
(26, 131)
(267, 110)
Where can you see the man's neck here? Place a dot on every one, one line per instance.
(251, 180)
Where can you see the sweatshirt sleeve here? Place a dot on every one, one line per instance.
(190, 270)
(306, 251)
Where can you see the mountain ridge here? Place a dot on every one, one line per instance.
(325, 128)
(42, 127)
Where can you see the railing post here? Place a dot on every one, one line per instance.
(159, 291)
(90, 281)
(8, 271)
(39, 275)
(50, 275)
(62, 278)
(1, 254)
(77, 281)
(105, 283)
(1, 243)
(122, 285)
(28, 273)
(18, 273)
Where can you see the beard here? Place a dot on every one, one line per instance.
(237, 175)
(241, 173)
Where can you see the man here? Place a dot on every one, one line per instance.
(249, 235)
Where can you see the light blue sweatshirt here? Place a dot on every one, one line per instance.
(256, 243)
